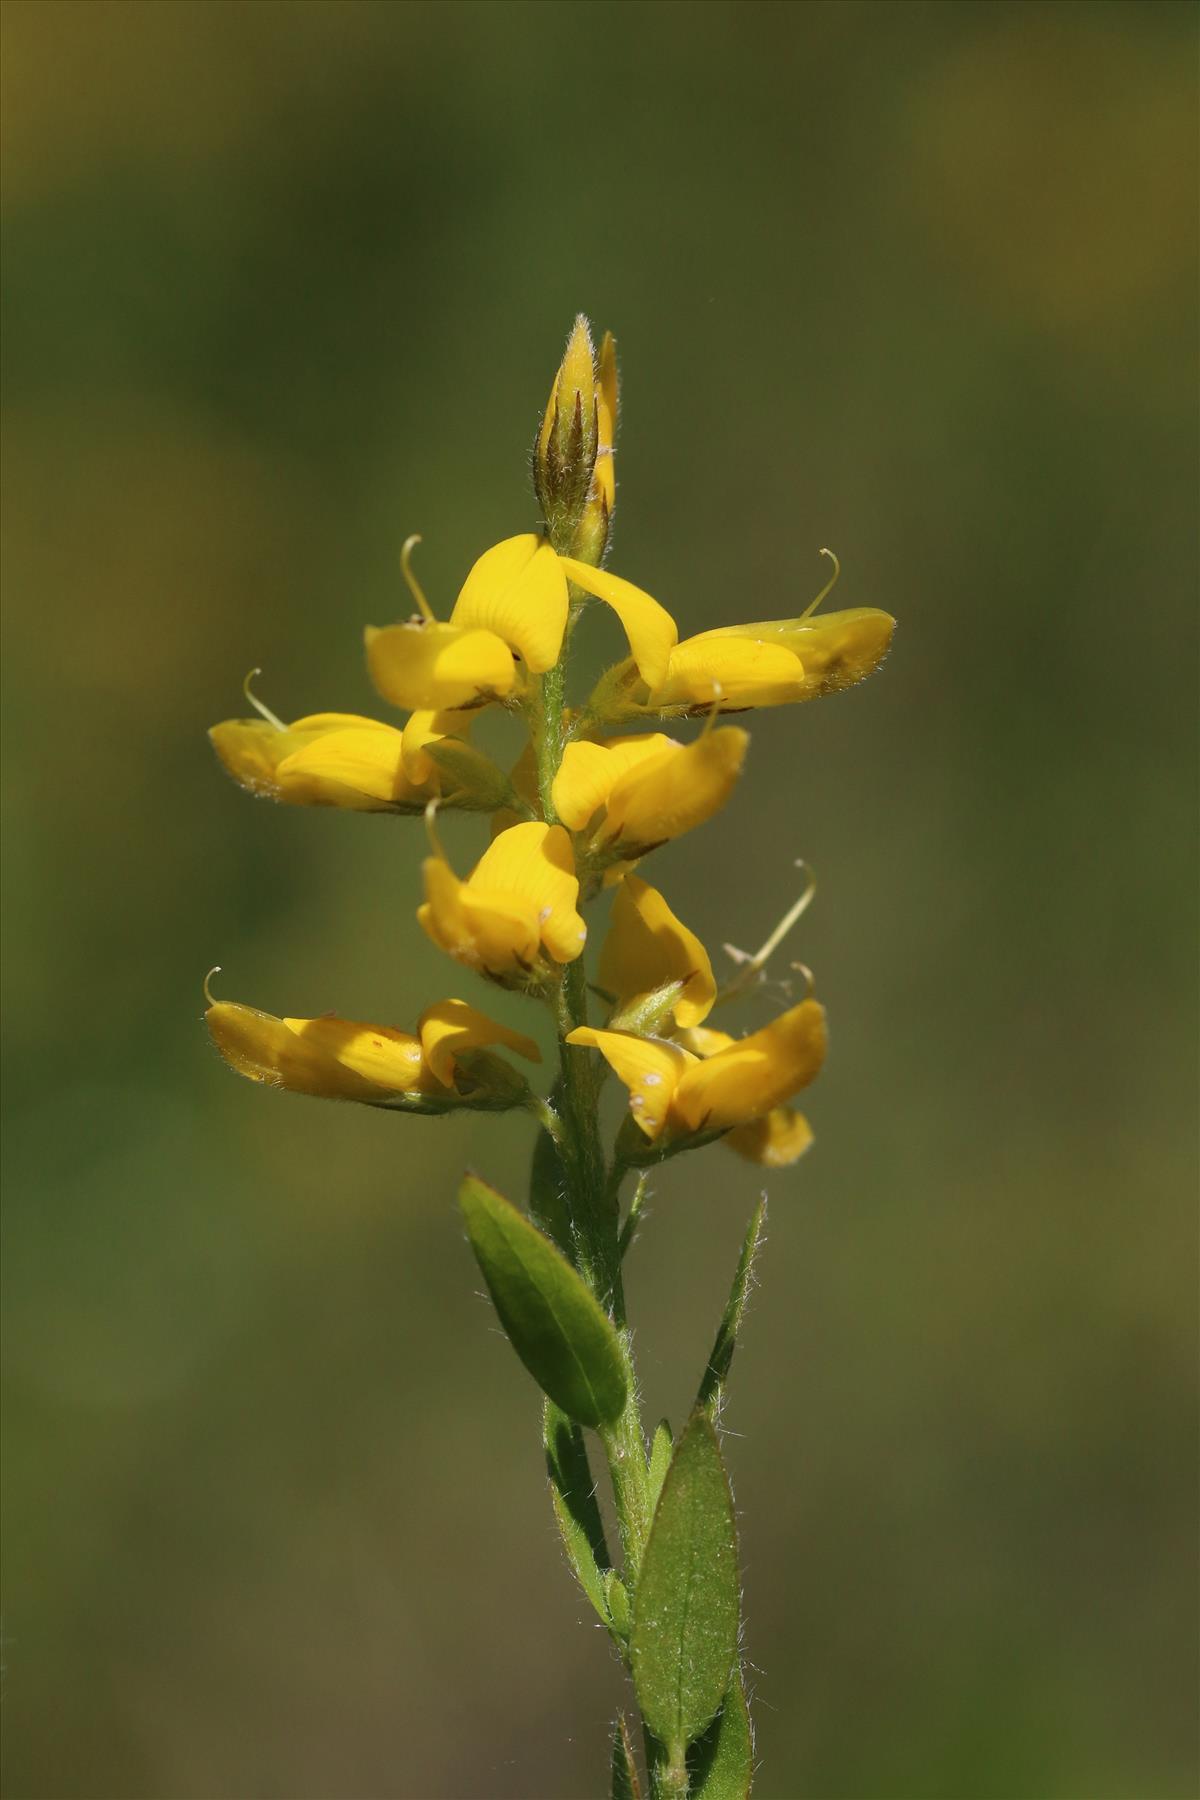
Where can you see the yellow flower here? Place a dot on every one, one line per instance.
(775, 662)
(342, 1059)
(519, 900)
(325, 759)
(652, 964)
(776, 1140)
(772, 663)
(340, 759)
(674, 1094)
(511, 612)
(650, 788)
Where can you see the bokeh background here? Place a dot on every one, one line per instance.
(285, 282)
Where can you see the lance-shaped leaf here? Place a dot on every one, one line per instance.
(685, 1625)
(626, 1783)
(554, 1323)
(573, 1495)
(661, 1447)
(721, 1763)
(712, 1383)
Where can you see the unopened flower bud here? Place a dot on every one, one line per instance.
(572, 459)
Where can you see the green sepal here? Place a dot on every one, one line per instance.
(626, 1782)
(661, 1446)
(473, 781)
(554, 1323)
(488, 1083)
(616, 1599)
(635, 1151)
(721, 1762)
(712, 1383)
(686, 1611)
(573, 1496)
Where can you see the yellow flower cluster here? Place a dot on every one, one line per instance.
(573, 818)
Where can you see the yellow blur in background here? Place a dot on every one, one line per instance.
(285, 283)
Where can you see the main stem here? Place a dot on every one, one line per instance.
(591, 1197)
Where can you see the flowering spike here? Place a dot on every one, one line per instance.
(573, 818)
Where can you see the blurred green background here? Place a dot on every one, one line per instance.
(285, 282)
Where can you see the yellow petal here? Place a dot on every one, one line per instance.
(651, 1070)
(452, 1026)
(647, 948)
(336, 1059)
(837, 648)
(517, 591)
(776, 1140)
(492, 932)
(648, 626)
(588, 772)
(421, 666)
(389, 1060)
(702, 1040)
(670, 793)
(534, 864)
(251, 750)
(737, 671)
(756, 1073)
(607, 380)
(428, 727)
(360, 769)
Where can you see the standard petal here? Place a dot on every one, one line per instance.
(517, 591)
(734, 671)
(648, 626)
(647, 948)
(650, 1069)
(535, 864)
(419, 666)
(670, 793)
(756, 1073)
(588, 772)
(496, 932)
(775, 1141)
(452, 1026)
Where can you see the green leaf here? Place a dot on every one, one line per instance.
(685, 1624)
(554, 1323)
(573, 1495)
(712, 1384)
(626, 1783)
(721, 1763)
(660, 1458)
